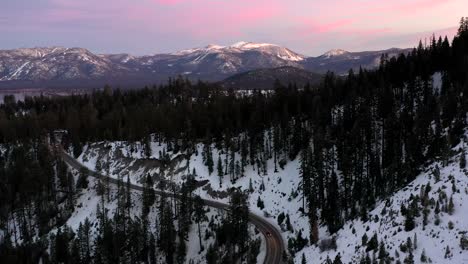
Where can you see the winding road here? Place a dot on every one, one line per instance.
(273, 238)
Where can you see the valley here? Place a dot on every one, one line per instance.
(243, 153)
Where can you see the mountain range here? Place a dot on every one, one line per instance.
(59, 67)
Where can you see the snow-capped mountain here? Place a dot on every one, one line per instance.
(215, 62)
(56, 63)
(340, 61)
(333, 53)
(65, 66)
(242, 47)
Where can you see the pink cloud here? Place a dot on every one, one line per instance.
(169, 2)
(307, 26)
(161, 23)
(218, 20)
(408, 7)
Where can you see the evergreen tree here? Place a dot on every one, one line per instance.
(303, 259)
(220, 171)
(149, 195)
(199, 214)
(462, 160)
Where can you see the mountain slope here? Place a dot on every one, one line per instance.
(265, 78)
(55, 64)
(341, 61)
(80, 68)
(438, 229)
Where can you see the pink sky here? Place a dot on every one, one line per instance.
(151, 26)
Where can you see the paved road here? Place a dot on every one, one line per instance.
(273, 238)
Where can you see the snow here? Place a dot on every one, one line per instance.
(433, 239)
(241, 46)
(280, 195)
(279, 186)
(250, 45)
(119, 155)
(126, 59)
(289, 56)
(334, 52)
(214, 47)
(437, 81)
(16, 73)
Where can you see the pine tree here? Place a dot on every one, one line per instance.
(448, 253)
(209, 161)
(260, 203)
(331, 212)
(382, 251)
(147, 147)
(373, 243)
(415, 241)
(409, 244)
(251, 189)
(314, 232)
(167, 234)
(462, 27)
(220, 171)
(199, 215)
(152, 250)
(409, 221)
(128, 196)
(423, 256)
(464, 242)
(211, 255)
(149, 195)
(288, 224)
(451, 206)
(409, 259)
(238, 219)
(303, 260)
(462, 160)
(337, 259)
(305, 175)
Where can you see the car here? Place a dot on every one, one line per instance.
(268, 234)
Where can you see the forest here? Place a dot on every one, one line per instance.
(359, 138)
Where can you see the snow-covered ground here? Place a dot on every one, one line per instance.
(119, 159)
(279, 192)
(88, 201)
(388, 223)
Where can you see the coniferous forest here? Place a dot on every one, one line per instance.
(359, 138)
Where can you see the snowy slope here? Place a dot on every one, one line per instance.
(388, 223)
(64, 66)
(279, 193)
(88, 201)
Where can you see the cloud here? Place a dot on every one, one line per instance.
(170, 24)
(169, 2)
(217, 20)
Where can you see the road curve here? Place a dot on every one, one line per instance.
(273, 238)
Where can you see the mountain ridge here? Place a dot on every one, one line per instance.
(45, 66)
(265, 79)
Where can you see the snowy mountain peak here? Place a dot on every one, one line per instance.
(275, 50)
(250, 45)
(334, 52)
(214, 47)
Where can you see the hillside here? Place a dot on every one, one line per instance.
(264, 79)
(436, 198)
(59, 67)
(364, 168)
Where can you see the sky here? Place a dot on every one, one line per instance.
(310, 27)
